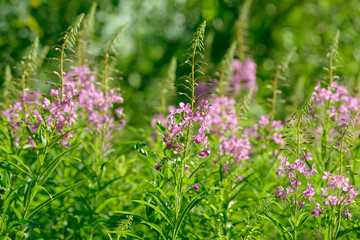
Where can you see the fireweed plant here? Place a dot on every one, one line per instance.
(313, 188)
(71, 167)
(39, 131)
(185, 145)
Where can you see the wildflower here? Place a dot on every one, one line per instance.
(347, 214)
(238, 148)
(264, 121)
(183, 117)
(223, 116)
(64, 143)
(95, 103)
(301, 204)
(158, 166)
(306, 156)
(244, 75)
(205, 153)
(196, 186)
(343, 105)
(169, 145)
(318, 210)
(327, 175)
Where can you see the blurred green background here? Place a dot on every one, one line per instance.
(160, 29)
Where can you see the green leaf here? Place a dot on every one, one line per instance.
(53, 164)
(160, 127)
(17, 158)
(153, 225)
(125, 233)
(302, 219)
(156, 227)
(155, 208)
(104, 203)
(138, 147)
(162, 204)
(197, 169)
(38, 208)
(188, 208)
(282, 230)
(5, 149)
(346, 231)
(18, 173)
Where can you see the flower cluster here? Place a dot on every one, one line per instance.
(244, 75)
(342, 104)
(182, 119)
(223, 116)
(95, 103)
(56, 115)
(17, 111)
(224, 124)
(61, 114)
(337, 192)
(264, 130)
(161, 119)
(238, 148)
(294, 172)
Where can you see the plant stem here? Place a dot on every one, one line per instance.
(275, 87)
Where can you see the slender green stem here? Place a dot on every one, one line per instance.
(62, 70)
(325, 135)
(275, 88)
(106, 73)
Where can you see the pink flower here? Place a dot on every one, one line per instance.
(346, 213)
(326, 176)
(169, 145)
(196, 186)
(306, 156)
(158, 166)
(64, 143)
(205, 153)
(264, 121)
(244, 75)
(186, 167)
(318, 210)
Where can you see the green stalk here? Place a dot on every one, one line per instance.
(325, 136)
(179, 188)
(275, 87)
(62, 54)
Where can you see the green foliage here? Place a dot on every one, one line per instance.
(68, 43)
(105, 185)
(86, 35)
(241, 30)
(109, 59)
(279, 79)
(30, 65)
(5, 97)
(193, 61)
(297, 135)
(226, 69)
(168, 83)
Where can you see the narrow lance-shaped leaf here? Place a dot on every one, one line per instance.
(184, 213)
(38, 208)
